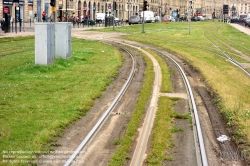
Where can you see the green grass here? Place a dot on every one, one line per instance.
(162, 132)
(166, 85)
(37, 102)
(226, 80)
(234, 38)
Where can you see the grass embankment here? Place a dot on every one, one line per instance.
(213, 33)
(226, 80)
(235, 38)
(37, 102)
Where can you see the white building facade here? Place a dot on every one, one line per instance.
(124, 8)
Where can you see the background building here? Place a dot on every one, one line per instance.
(124, 8)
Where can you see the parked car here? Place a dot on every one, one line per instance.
(200, 18)
(234, 19)
(100, 17)
(207, 16)
(148, 16)
(165, 19)
(172, 19)
(157, 19)
(183, 17)
(3, 25)
(134, 20)
(117, 21)
(195, 18)
(168, 18)
(247, 20)
(242, 17)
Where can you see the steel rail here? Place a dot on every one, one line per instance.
(140, 149)
(197, 121)
(231, 40)
(104, 116)
(194, 46)
(233, 61)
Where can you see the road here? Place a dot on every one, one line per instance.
(29, 30)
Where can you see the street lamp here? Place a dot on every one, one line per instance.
(38, 10)
(159, 9)
(189, 14)
(66, 10)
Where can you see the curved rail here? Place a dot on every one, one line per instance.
(197, 121)
(233, 61)
(231, 40)
(104, 116)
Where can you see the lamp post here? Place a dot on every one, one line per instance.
(66, 10)
(233, 11)
(189, 14)
(38, 10)
(159, 9)
(46, 9)
(213, 15)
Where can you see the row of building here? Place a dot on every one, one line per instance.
(65, 9)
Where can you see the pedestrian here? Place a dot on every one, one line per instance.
(51, 18)
(43, 16)
(35, 17)
(86, 17)
(59, 18)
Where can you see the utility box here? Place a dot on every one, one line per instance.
(44, 43)
(63, 39)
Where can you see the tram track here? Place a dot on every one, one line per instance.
(229, 58)
(104, 117)
(214, 121)
(240, 45)
(137, 158)
(217, 124)
(215, 50)
(139, 153)
(202, 150)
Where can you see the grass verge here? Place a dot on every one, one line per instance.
(37, 102)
